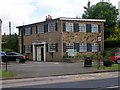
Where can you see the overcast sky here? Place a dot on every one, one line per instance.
(21, 12)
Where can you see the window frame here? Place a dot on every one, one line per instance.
(69, 46)
(69, 27)
(27, 48)
(40, 29)
(82, 27)
(82, 47)
(94, 47)
(94, 28)
(52, 27)
(53, 45)
(28, 31)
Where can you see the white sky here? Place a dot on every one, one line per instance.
(31, 11)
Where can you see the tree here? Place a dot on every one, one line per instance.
(103, 10)
(10, 42)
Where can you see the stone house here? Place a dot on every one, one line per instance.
(52, 39)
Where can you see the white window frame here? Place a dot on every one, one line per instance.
(82, 47)
(69, 27)
(94, 27)
(52, 47)
(40, 29)
(51, 27)
(27, 48)
(82, 27)
(28, 31)
(69, 46)
(95, 47)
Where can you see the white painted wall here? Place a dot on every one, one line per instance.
(119, 10)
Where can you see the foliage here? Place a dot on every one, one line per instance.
(115, 35)
(106, 54)
(102, 10)
(111, 44)
(8, 50)
(10, 42)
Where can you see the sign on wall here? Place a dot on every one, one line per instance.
(72, 52)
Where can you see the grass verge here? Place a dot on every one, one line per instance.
(8, 74)
(113, 67)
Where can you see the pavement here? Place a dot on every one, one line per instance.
(33, 69)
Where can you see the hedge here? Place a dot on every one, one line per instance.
(112, 44)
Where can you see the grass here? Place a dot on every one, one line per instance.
(8, 74)
(113, 67)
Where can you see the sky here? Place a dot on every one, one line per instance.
(23, 12)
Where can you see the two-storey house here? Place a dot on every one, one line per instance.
(52, 39)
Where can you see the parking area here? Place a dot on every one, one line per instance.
(38, 69)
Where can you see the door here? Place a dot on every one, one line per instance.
(40, 53)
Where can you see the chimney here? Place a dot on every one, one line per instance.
(48, 17)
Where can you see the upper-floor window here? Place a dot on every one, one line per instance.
(69, 27)
(94, 47)
(40, 29)
(20, 32)
(94, 28)
(82, 27)
(83, 47)
(51, 27)
(28, 31)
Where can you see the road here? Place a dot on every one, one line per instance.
(93, 80)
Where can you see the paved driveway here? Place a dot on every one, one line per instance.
(37, 69)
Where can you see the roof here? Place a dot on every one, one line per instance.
(68, 19)
(80, 19)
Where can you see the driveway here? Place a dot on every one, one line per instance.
(38, 69)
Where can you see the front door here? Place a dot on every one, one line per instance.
(40, 53)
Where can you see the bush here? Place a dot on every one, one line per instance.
(111, 44)
(8, 50)
(108, 63)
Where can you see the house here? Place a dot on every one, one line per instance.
(52, 39)
(0, 33)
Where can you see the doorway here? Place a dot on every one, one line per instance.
(40, 53)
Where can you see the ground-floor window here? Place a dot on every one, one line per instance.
(27, 48)
(69, 46)
(52, 47)
(94, 47)
(82, 47)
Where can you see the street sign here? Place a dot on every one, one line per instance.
(99, 39)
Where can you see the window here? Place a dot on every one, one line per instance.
(20, 32)
(94, 47)
(82, 27)
(83, 47)
(51, 27)
(40, 29)
(69, 27)
(28, 31)
(27, 48)
(69, 46)
(52, 47)
(94, 28)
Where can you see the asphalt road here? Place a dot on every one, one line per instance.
(89, 81)
(102, 84)
(90, 84)
(38, 69)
